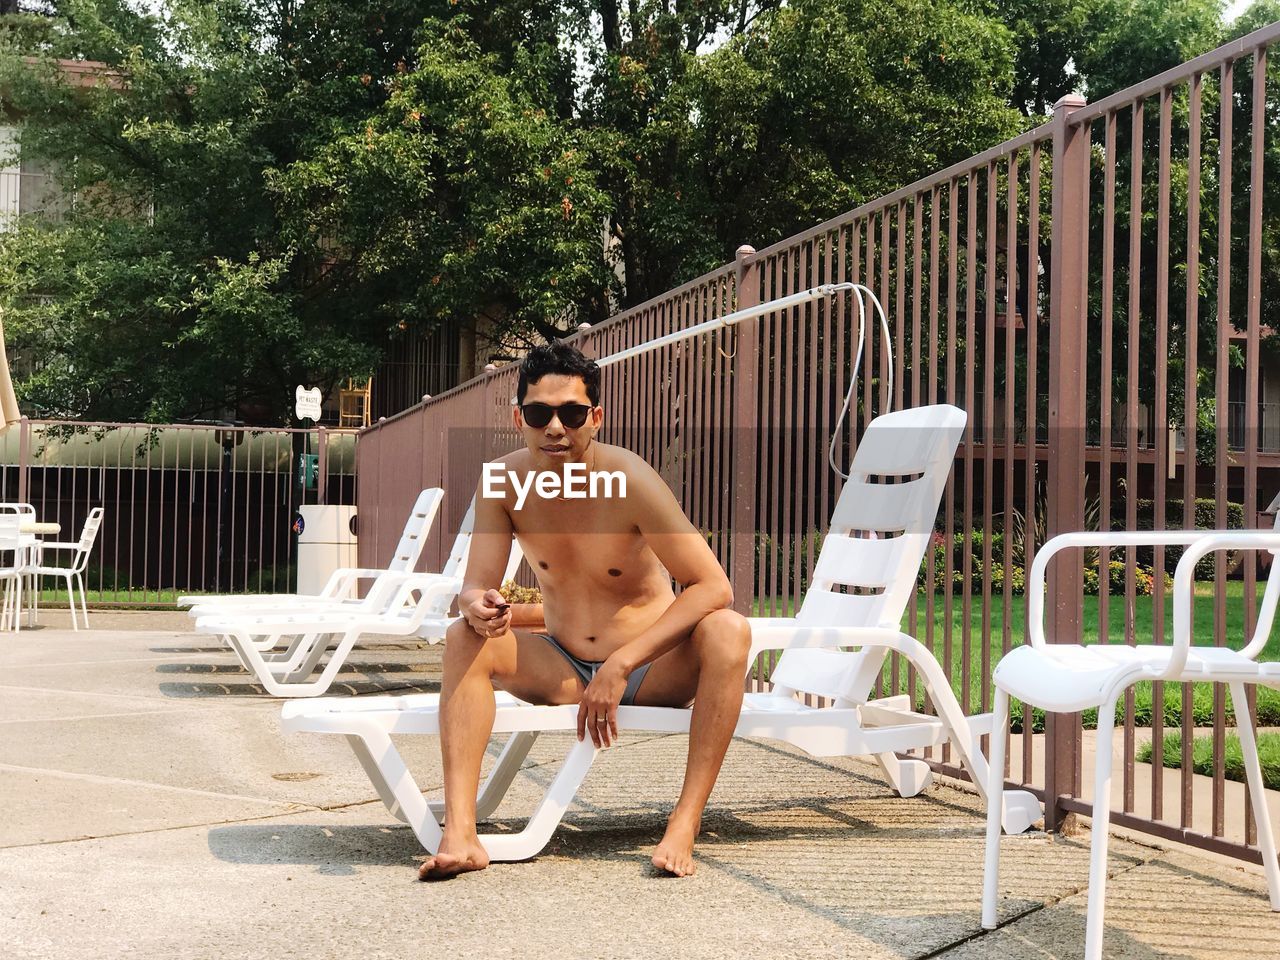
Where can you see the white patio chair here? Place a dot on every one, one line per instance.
(74, 573)
(915, 447)
(26, 513)
(1065, 678)
(14, 564)
(342, 583)
(399, 604)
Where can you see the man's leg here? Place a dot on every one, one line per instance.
(525, 665)
(709, 668)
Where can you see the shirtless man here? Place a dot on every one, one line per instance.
(610, 629)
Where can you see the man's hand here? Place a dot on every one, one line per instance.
(598, 711)
(489, 615)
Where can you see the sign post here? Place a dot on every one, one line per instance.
(306, 406)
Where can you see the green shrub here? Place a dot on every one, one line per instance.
(1206, 519)
(1232, 756)
(1202, 714)
(937, 554)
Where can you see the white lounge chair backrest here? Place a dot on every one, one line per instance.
(461, 549)
(88, 534)
(866, 570)
(414, 537)
(456, 565)
(10, 536)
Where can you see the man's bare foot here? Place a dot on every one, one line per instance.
(674, 854)
(454, 857)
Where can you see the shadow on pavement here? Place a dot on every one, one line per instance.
(187, 691)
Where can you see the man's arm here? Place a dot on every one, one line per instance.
(480, 601)
(684, 552)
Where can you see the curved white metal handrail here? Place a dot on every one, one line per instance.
(783, 303)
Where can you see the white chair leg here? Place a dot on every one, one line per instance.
(84, 601)
(907, 777)
(71, 601)
(1257, 791)
(37, 582)
(500, 777)
(1093, 931)
(995, 805)
(550, 811)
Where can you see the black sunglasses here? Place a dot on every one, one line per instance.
(538, 415)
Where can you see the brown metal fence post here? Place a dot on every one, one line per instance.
(746, 431)
(24, 458)
(322, 466)
(1066, 423)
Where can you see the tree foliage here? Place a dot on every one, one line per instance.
(266, 190)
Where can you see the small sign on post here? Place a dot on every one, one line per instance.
(306, 403)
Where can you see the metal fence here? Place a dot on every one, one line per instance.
(1062, 287)
(188, 508)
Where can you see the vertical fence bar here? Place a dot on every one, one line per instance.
(1107, 344)
(1253, 364)
(1161, 429)
(24, 459)
(1133, 380)
(1032, 416)
(1226, 97)
(988, 425)
(970, 358)
(1066, 427)
(1190, 409)
(746, 419)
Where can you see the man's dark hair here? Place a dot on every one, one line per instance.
(560, 358)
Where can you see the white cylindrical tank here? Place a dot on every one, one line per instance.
(326, 542)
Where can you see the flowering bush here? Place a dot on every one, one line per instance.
(1143, 579)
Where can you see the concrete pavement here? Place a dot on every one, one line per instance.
(151, 808)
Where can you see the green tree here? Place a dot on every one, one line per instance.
(266, 190)
(801, 112)
(187, 281)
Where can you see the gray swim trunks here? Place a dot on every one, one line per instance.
(586, 669)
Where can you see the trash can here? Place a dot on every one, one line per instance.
(326, 541)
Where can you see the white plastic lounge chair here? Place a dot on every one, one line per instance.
(342, 583)
(916, 447)
(1066, 678)
(74, 573)
(282, 647)
(433, 628)
(398, 604)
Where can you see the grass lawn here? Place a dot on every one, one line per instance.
(137, 598)
(1232, 758)
(1143, 614)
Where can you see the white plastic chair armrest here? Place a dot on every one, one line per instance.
(55, 545)
(303, 620)
(1100, 538)
(351, 577)
(1184, 579)
(344, 581)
